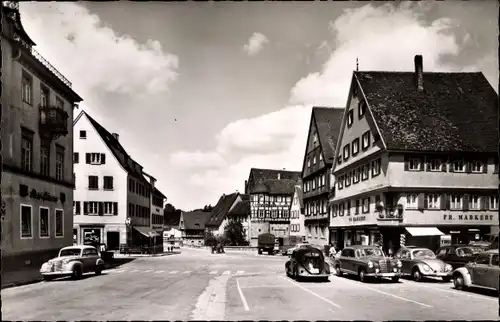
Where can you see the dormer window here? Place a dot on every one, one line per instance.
(350, 117)
(458, 166)
(314, 159)
(346, 151)
(339, 159)
(355, 146)
(435, 165)
(320, 157)
(476, 166)
(308, 163)
(365, 138)
(361, 108)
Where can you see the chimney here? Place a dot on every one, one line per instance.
(116, 136)
(419, 76)
(246, 186)
(279, 176)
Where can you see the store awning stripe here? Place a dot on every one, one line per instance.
(424, 231)
(146, 231)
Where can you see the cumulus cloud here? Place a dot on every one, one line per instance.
(197, 160)
(255, 43)
(92, 55)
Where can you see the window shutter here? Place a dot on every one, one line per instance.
(426, 201)
(466, 202)
(77, 157)
(468, 168)
(443, 201)
(485, 166)
(88, 158)
(422, 160)
(444, 164)
(420, 201)
(101, 208)
(407, 163)
(78, 207)
(427, 164)
(115, 208)
(447, 202)
(482, 202)
(85, 208)
(103, 158)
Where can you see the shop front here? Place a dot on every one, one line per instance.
(348, 230)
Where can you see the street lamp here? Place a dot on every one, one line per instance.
(128, 222)
(151, 235)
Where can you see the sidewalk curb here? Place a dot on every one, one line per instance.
(10, 285)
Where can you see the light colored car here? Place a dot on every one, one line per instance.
(420, 262)
(482, 272)
(298, 246)
(73, 261)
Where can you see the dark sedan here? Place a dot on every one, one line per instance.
(458, 255)
(307, 262)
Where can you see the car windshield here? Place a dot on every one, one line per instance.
(371, 252)
(70, 252)
(468, 251)
(423, 253)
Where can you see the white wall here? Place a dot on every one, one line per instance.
(94, 144)
(299, 222)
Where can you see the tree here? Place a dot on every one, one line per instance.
(234, 234)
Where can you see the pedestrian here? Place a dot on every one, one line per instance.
(333, 249)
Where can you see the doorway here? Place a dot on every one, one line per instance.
(113, 238)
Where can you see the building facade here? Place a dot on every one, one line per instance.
(112, 203)
(157, 200)
(218, 216)
(297, 227)
(270, 193)
(316, 172)
(37, 145)
(240, 212)
(192, 227)
(423, 185)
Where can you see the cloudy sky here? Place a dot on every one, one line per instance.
(202, 92)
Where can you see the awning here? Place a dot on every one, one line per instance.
(424, 231)
(146, 231)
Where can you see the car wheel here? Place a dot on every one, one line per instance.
(395, 279)
(446, 279)
(361, 275)
(296, 275)
(458, 282)
(338, 272)
(77, 273)
(98, 270)
(325, 279)
(417, 276)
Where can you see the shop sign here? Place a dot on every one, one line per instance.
(358, 218)
(415, 217)
(45, 196)
(466, 217)
(353, 220)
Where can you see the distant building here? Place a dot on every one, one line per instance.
(297, 227)
(240, 212)
(192, 227)
(416, 160)
(218, 215)
(270, 194)
(157, 199)
(37, 146)
(110, 188)
(316, 172)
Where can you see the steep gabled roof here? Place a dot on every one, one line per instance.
(158, 193)
(221, 209)
(115, 147)
(195, 220)
(272, 181)
(456, 112)
(242, 208)
(328, 122)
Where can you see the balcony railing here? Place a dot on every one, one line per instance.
(390, 213)
(317, 191)
(45, 62)
(53, 122)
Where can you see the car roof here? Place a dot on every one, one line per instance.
(362, 246)
(78, 247)
(490, 251)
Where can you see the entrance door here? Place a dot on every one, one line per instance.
(113, 238)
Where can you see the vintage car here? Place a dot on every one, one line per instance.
(73, 261)
(307, 262)
(458, 255)
(298, 246)
(420, 263)
(367, 262)
(482, 272)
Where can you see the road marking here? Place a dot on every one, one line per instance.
(158, 272)
(456, 292)
(186, 272)
(310, 292)
(240, 272)
(213, 272)
(398, 297)
(148, 271)
(266, 286)
(226, 273)
(173, 272)
(243, 300)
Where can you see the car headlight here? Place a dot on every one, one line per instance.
(399, 264)
(426, 267)
(448, 268)
(370, 264)
(65, 261)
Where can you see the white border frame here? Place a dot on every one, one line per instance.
(40, 222)
(55, 223)
(21, 221)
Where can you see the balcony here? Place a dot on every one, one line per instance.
(316, 217)
(392, 215)
(53, 122)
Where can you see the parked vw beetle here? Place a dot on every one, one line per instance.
(73, 261)
(483, 272)
(367, 261)
(422, 262)
(307, 262)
